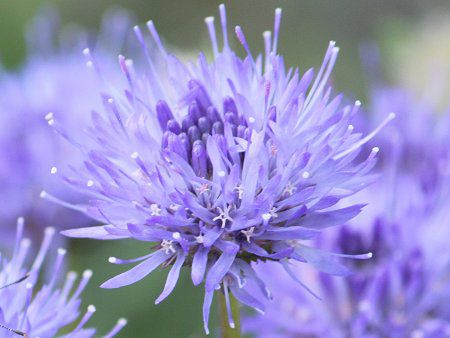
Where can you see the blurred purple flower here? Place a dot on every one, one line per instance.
(46, 311)
(54, 78)
(221, 164)
(403, 291)
(416, 143)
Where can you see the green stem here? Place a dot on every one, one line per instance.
(227, 331)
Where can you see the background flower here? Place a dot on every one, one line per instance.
(46, 311)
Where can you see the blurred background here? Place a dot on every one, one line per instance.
(413, 35)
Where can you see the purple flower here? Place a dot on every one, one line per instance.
(221, 163)
(403, 291)
(416, 143)
(401, 294)
(54, 79)
(42, 311)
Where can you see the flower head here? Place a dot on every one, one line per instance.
(221, 163)
(43, 312)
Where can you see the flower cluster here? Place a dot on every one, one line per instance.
(402, 292)
(28, 311)
(221, 163)
(54, 79)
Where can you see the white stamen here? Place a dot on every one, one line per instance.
(176, 235)
(155, 210)
(112, 260)
(240, 191)
(224, 215)
(289, 189)
(129, 63)
(135, 155)
(273, 212)
(49, 231)
(167, 246)
(174, 207)
(200, 239)
(306, 174)
(249, 233)
(49, 116)
(251, 119)
(54, 170)
(221, 173)
(62, 251)
(266, 216)
(90, 183)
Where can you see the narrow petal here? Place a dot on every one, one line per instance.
(96, 232)
(293, 232)
(172, 278)
(321, 220)
(322, 261)
(222, 265)
(138, 272)
(207, 308)
(245, 298)
(199, 265)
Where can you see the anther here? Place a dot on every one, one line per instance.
(155, 209)
(249, 233)
(224, 215)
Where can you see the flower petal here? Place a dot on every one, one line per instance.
(96, 232)
(138, 272)
(172, 278)
(199, 265)
(222, 265)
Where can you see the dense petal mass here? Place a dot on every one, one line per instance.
(221, 163)
(45, 312)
